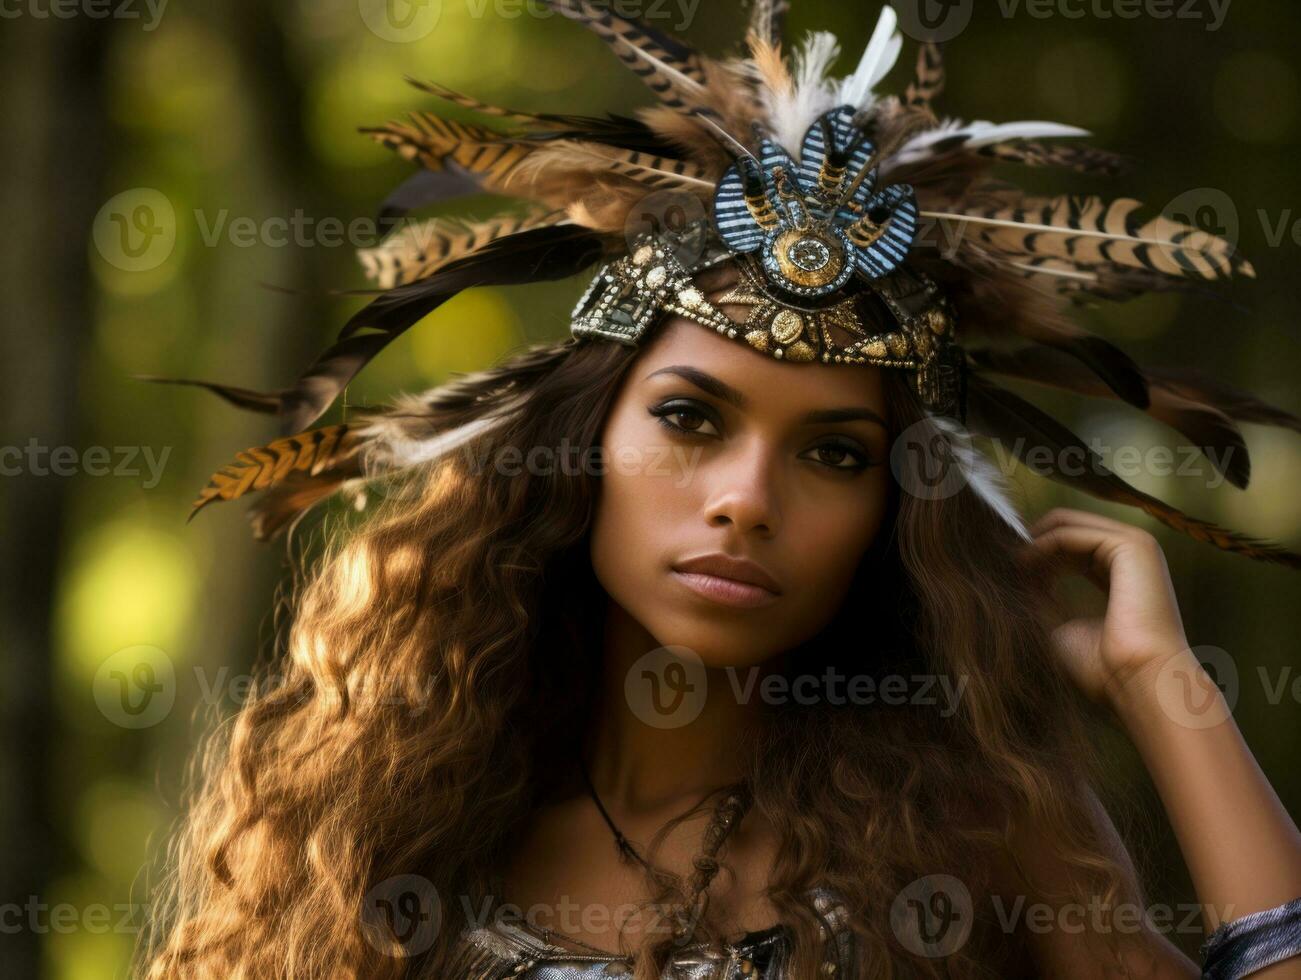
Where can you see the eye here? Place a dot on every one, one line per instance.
(693, 418)
(841, 456)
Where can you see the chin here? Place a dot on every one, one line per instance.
(720, 645)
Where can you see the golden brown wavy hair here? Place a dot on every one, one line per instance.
(440, 649)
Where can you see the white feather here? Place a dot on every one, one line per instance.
(879, 56)
(984, 478)
(980, 133)
(790, 114)
(390, 445)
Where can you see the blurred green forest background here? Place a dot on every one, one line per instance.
(248, 109)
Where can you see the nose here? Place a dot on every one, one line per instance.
(742, 491)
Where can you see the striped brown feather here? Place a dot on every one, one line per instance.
(1090, 231)
(928, 80)
(594, 161)
(486, 109)
(610, 127)
(421, 250)
(283, 504)
(1068, 156)
(432, 141)
(1082, 284)
(311, 453)
(768, 19)
(667, 65)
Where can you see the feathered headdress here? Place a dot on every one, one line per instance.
(865, 228)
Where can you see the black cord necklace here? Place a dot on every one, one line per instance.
(626, 850)
(729, 812)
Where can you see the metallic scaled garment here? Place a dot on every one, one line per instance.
(508, 948)
(1253, 942)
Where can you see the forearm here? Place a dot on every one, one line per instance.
(1242, 849)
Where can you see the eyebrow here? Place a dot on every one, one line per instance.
(724, 392)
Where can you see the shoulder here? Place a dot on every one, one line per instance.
(1031, 888)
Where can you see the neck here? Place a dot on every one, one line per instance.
(639, 768)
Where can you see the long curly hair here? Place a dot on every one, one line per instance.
(440, 647)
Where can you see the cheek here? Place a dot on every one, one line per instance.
(828, 537)
(643, 496)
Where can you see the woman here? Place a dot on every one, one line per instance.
(688, 652)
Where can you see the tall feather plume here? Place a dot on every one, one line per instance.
(928, 78)
(878, 58)
(771, 74)
(724, 117)
(768, 20)
(791, 111)
(668, 66)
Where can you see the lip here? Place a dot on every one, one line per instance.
(728, 580)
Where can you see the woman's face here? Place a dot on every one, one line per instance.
(713, 449)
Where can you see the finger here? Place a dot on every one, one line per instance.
(1060, 516)
(1089, 550)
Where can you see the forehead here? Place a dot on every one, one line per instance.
(769, 381)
